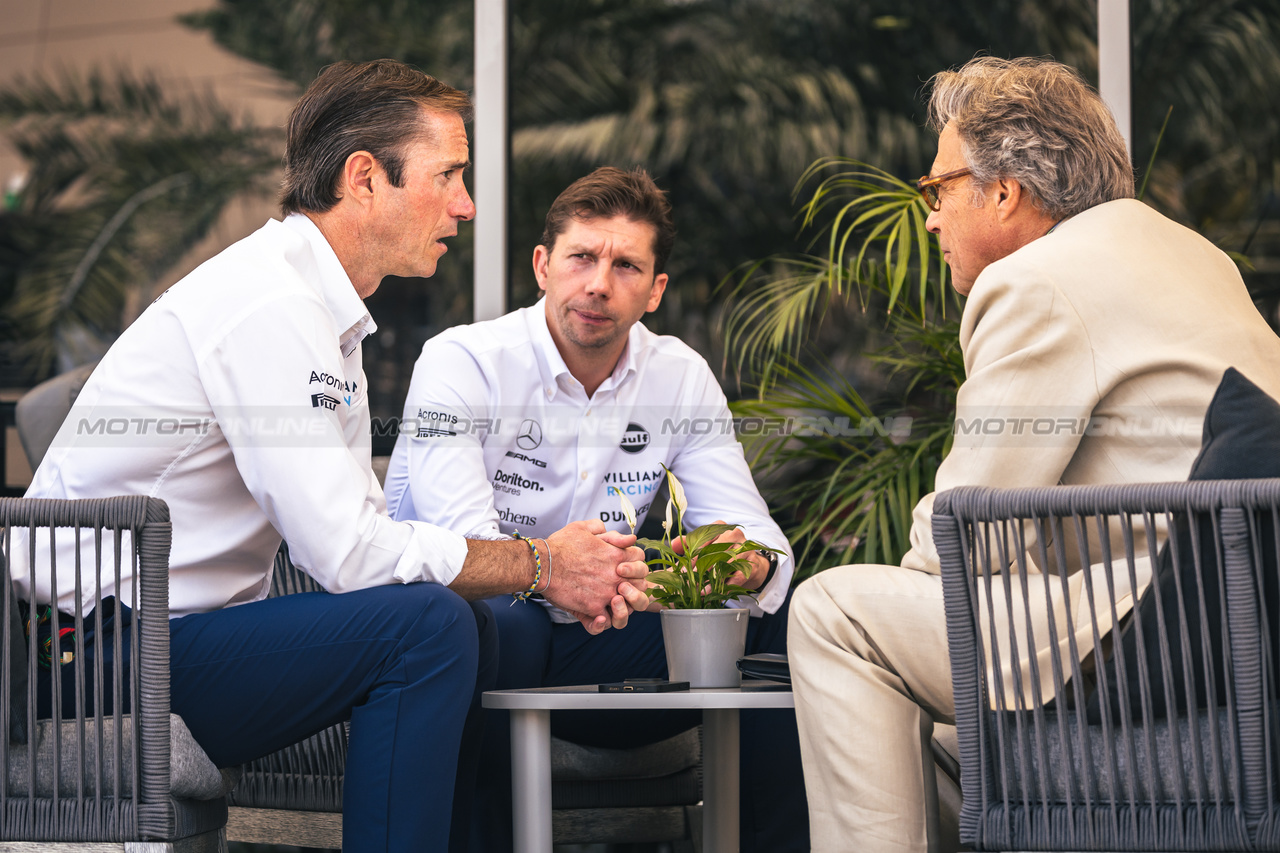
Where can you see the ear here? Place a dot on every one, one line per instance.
(541, 257)
(655, 294)
(1010, 197)
(358, 176)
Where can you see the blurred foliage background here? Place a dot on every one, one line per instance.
(728, 103)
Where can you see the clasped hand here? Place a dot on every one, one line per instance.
(598, 575)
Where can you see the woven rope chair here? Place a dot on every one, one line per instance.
(1160, 735)
(78, 772)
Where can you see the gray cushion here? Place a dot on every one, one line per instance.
(1066, 771)
(193, 775)
(573, 762)
(625, 825)
(1241, 441)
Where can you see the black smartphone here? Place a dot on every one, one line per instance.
(643, 685)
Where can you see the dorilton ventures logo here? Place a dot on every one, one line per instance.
(501, 478)
(324, 401)
(530, 435)
(635, 439)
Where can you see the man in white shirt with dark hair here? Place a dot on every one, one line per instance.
(547, 416)
(254, 359)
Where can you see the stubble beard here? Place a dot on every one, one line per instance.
(602, 339)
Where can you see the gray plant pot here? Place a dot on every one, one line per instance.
(703, 646)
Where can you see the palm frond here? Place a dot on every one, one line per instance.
(872, 226)
(854, 475)
(124, 179)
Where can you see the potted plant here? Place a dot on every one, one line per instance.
(703, 637)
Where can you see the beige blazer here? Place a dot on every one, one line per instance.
(1091, 355)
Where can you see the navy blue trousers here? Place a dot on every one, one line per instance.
(534, 652)
(405, 664)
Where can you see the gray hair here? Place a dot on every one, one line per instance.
(1038, 122)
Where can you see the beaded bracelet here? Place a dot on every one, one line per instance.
(537, 562)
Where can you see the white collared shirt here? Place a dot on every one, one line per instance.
(504, 438)
(239, 398)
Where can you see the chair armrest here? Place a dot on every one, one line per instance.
(132, 536)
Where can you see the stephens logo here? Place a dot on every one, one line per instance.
(538, 462)
(530, 435)
(324, 401)
(517, 518)
(635, 439)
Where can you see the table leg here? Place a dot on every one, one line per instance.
(531, 779)
(720, 780)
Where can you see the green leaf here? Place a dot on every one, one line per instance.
(700, 537)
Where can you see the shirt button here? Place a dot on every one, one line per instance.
(588, 413)
(584, 475)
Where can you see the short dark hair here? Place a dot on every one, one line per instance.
(608, 192)
(369, 106)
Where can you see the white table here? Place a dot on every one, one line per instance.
(531, 749)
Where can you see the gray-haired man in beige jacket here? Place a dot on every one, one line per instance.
(1084, 306)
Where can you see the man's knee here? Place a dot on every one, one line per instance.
(430, 619)
(811, 605)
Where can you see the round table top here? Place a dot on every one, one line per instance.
(752, 694)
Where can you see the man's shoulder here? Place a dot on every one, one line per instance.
(270, 260)
(657, 350)
(1116, 251)
(489, 354)
(1121, 229)
(483, 341)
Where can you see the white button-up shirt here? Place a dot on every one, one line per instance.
(239, 398)
(499, 436)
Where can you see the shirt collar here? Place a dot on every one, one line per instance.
(555, 373)
(339, 294)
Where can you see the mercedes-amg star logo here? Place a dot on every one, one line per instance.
(530, 435)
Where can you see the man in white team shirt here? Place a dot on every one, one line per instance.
(256, 357)
(548, 415)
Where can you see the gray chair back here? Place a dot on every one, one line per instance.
(1136, 740)
(42, 410)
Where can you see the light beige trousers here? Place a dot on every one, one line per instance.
(871, 674)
